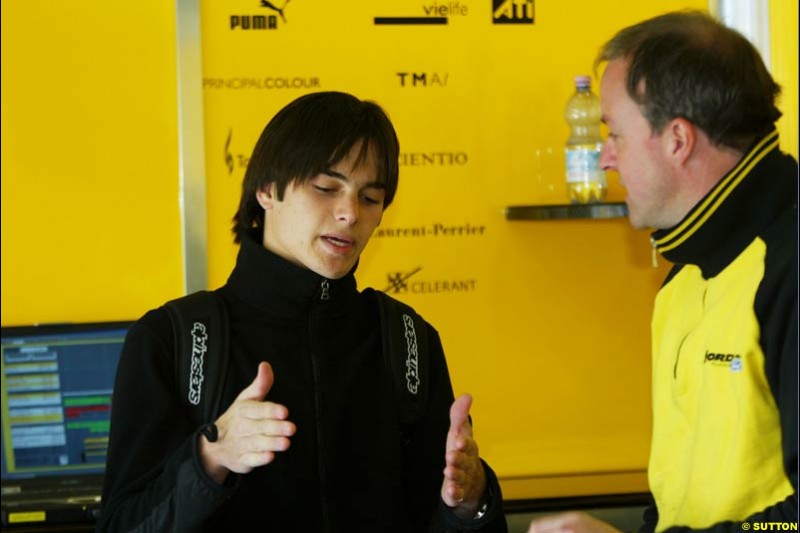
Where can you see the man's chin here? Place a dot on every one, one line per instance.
(334, 271)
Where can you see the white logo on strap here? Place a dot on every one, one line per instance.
(199, 338)
(412, 361)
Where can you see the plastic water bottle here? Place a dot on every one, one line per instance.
(586, 181)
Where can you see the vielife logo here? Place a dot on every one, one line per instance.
(434, 13)
(260, 21)
(512, 12)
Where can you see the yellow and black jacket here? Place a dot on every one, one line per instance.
(725, 352)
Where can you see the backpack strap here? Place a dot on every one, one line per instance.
(405, 350)
(200, 326)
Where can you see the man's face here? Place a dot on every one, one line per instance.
(637, 153)
(325, 223)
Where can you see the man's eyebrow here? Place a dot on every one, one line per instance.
(375, 184)
(334, 174)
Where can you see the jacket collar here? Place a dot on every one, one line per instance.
(733, 213)
(272, 283)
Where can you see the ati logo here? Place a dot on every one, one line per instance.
(415, 79)
(259, 22)
(512, 12)
(730, 360)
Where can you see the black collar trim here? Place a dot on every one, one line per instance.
(709, 205)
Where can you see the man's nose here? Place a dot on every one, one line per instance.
(347, 209)
(608, 159)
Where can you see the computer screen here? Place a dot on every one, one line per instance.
(57, 385)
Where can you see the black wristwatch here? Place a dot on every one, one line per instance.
(210, 432)
(481, 511)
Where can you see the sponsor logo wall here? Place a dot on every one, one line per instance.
(476, 90)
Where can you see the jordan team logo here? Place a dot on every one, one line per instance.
(731, 361)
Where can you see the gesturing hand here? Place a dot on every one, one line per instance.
(464, 477)
(249, 432)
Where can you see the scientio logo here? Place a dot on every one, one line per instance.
(433, 158)
(265, 20)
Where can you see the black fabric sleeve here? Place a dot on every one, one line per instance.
(154, 480)
(493, 521)
(650, 517)
(424, 460)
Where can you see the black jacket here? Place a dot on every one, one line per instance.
(346, 468)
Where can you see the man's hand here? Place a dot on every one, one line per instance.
(570, 523)
(464, 477)
(249, 432)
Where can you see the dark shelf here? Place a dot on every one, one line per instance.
(560, 212)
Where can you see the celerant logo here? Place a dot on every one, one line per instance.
(397, 281)
(196, 377)
(512, 12)
(259, 22)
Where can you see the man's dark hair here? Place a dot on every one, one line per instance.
(308, 136)
(687, 64)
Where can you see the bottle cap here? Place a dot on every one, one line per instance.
(583, 81)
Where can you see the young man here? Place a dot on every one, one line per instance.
(309, 438)
(690, 110)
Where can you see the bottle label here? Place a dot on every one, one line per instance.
(583, 165)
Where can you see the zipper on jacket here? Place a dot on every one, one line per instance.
(678, 358)
(318, 418)
(325, 287)
(655, 252)
(680, 346)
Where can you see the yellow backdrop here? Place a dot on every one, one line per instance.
(90, 219)
(546, 323)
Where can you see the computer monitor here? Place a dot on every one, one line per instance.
(57, 387)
